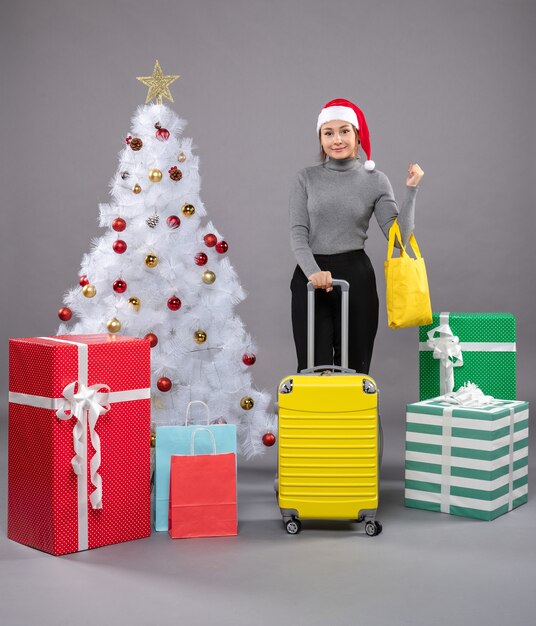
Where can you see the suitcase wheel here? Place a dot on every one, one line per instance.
(373, 528)
(293, 526)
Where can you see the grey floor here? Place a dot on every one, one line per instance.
(424, 569)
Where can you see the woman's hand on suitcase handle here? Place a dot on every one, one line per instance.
(322, 280)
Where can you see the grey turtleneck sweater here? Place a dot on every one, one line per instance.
(331, 206)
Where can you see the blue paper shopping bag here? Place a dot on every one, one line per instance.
(173, 440)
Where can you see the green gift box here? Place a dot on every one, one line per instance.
(464, 461)
(460, 347)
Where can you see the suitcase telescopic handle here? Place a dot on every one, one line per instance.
(345, 286)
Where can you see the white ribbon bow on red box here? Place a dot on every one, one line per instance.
(86, 404)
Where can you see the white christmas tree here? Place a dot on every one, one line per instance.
(162, 273)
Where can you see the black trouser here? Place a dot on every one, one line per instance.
(356, 268)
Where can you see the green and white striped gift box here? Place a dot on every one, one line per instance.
(471, 462)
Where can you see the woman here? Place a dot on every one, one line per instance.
(330, 209)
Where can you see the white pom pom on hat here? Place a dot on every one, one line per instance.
(346, 111)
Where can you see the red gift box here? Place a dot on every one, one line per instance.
(78, 442)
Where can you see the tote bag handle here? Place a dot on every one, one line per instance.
(192, 440)
(394, 233)
(196, 402)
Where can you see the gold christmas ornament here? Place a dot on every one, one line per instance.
(136, 188)
(135, 302)
(89, 290)
(153, 440)
(113, 325)
(200, 336)
(158, 84)
(181, 158)
(155, 175)
(188, 209)
(151, 260)
(246, 403)
(208, 277)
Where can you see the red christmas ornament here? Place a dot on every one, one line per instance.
(153, 339)
(173, 221)
(201, 258)
(119, 286)
(65, 314)
(174, 303)
(83, 280)
(162, 134)
(164, 384)
(248, 359)
(119, 246)
(119, 224)
(222, 247)
(210, 240)
(268, 439)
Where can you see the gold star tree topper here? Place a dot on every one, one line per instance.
(158, 84)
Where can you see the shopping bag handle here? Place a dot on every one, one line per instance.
(192, 440)
(197, 402)
(394, 233)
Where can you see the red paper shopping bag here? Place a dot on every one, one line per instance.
(202, 494)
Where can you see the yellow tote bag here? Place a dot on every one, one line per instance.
(407, 295)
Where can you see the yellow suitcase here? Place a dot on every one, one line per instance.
(329, 439)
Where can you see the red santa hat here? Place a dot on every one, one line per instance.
(346, 111)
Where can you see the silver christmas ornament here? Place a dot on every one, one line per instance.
(152, 221)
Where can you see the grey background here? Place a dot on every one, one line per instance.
(449, 85)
